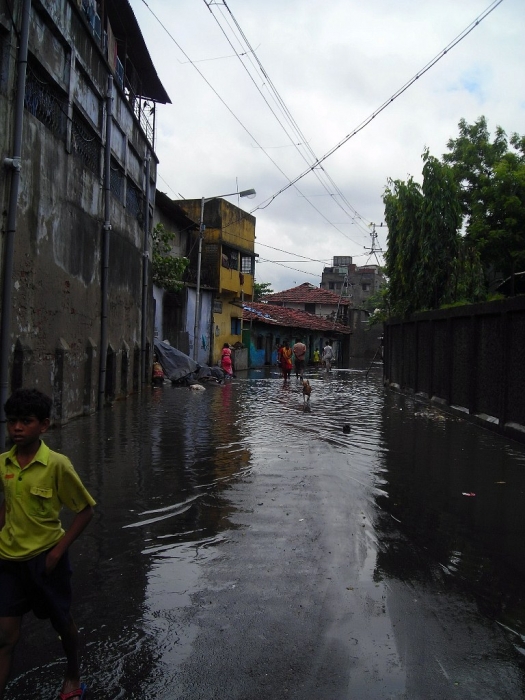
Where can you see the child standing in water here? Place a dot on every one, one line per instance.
(35, 572)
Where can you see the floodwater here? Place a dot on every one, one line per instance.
(243, 548)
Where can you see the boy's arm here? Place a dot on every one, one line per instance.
(80, 522)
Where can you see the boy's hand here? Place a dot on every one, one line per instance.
(52, 559)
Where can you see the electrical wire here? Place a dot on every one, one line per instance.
(303, 272)
(285, 111)
(385, 104)
(238, 120)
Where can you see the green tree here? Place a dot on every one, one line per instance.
(166, 268)
(439, 241)
(423, 238)
(403, 204)
(261, 289)
(491, 178)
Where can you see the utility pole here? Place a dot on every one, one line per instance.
(374, 250)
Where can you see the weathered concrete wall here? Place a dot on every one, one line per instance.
(56, 324)
(468, 359)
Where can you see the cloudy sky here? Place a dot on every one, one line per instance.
(261, 91)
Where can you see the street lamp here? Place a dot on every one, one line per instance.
(244, 193)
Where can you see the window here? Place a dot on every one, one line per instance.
(134, 201)
(116, 181)
(260, 342)
(45, 101)
(85, 143)
(236, 326)
(365, 287)
(310, 308)
(331, 285)
(230, 258)
(247, 264)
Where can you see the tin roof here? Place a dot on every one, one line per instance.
(307, 294)
(292, 318)
(126, 29)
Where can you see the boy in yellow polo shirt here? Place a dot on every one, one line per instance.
(35, 573)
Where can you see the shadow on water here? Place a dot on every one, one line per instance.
(163, 468)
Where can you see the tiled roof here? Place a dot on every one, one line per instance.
(292, 318)
(308, 294)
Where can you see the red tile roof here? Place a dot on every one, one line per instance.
(292, 318)
(308, 294)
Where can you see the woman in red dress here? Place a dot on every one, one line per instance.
(226, 360)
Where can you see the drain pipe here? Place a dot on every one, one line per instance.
(105, 249)
(9, 239)
(145, 261)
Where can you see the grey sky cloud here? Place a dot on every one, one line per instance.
(333, 64)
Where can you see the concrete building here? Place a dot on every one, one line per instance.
(228, 266)
(175, 311)
(313, 300)
(271, 325)
(324, 303)
(77, 200)
(350, 281)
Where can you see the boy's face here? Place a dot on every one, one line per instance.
(25, 431)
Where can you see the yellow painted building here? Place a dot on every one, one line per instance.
(227, 267)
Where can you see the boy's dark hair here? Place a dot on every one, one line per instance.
(28, 402)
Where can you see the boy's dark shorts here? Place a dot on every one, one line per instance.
(299, 366)
(25, 586)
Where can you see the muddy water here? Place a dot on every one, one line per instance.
(191, 489)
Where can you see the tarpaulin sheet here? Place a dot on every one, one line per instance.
(175, 363)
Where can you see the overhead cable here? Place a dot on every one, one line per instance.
(385, 104)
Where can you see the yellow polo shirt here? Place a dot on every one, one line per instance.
(34, 497)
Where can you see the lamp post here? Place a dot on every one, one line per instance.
(244, 193)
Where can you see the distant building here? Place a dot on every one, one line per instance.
(174, 312)
(271, 325)
(228, 267)
(313, 300)
(350, 281)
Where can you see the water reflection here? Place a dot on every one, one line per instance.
(167, 469)
(452, 511)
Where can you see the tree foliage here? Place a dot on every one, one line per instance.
(166, 268)
(261, 289)
(464, 226)
(491, 179)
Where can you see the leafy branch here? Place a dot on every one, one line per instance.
(167, 269)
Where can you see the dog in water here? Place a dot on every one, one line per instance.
(307, 390)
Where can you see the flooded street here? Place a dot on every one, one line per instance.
(244, 549)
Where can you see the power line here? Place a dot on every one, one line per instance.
(387, 103)
(303, 272)
(286, 113)
(237, 118)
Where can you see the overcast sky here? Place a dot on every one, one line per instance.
(333, 63)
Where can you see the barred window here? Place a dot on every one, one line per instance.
(116, 181)
(45, 101)
(134, 199)
(247, 264)
(85, 143)
(230, 258)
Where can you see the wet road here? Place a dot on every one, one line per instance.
(244, 549)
